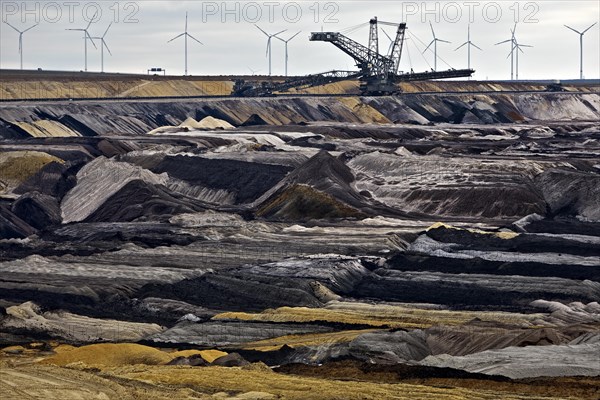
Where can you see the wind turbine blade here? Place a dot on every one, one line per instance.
(105, 45)
(74, 29)
(106, 31)
(589, 28)
(277, 37)
(30, 28)
(524, 45)
(176, 37)
(465, 43)
(12, 27)
(474, 45)
(91, 40)
(278, 33)
(191, 37)
(20, 43)
(261, 30)
(386, 34)
(574, 30)
(186, 24)
(91, 20)
(391, 41)
(268, 46)
(443, 41)
(432, 31)
(299, 32)
(504, 41)
(433, 41)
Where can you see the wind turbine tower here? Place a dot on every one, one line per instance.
(512, 50)
(185, 34)
(469, 44)
(21, 39)
(581, 47)
(102, 46)
(286, 50)
(86, 36)
(517, 48)
(269, 37)
(434, 43)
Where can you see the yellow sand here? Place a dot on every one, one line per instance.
(179, 88)
(120, 354)
(63, 348)
(29, 379)
(13, 350)
(207, 355)
(49, 382)
(342, 87)
(500, 235)
(290, 387)
(46, 128)
(365, 112)
(110, 354)
(17, 166)
(72, 89)
(309, 339)
(379, 315)
(47, 87)
(206, 123)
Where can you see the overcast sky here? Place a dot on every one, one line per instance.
(140, 31)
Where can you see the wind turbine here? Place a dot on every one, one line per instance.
(286, 50)
(434, 43)
(517, 48)
(252, 71)
(21, 39)
(186, 35)
(468, 43)
(102, 45)
(269, 44)
(391, 41)
(512, 50)
(581, 47)
(86, 36)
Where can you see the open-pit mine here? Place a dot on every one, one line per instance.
(160, 238)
